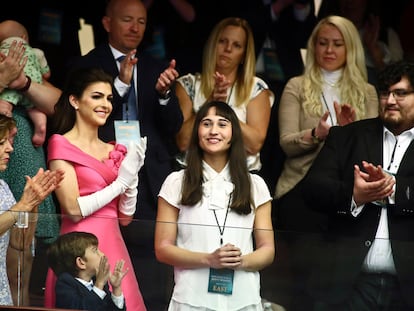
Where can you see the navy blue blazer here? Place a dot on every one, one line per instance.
(72, 294)
(160, 123)
(328, 187)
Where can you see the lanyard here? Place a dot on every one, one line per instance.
(329, 111)
(221, 229)
(393, 154)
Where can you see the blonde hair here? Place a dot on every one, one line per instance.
(352, 84)
(246, 70)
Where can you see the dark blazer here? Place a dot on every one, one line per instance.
(328, 188)
(72, 294)
(158, 122)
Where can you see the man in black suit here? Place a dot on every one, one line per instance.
(160, 119)
(363, 178)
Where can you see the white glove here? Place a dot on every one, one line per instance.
(89, 204)
(128, 201)
(127, 179)
(132, 163)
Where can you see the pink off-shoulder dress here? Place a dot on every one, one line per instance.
(92, 176)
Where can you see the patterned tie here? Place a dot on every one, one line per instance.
(130, 109)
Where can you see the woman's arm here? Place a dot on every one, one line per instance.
(264, 253)
(166, 251)
(257, 121)
(186, 105)
(37, 188)
(44, 96)
(68, 192)
(295, 136)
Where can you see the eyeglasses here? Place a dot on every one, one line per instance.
(398, 94)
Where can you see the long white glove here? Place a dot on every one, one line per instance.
(132, 163)
(89, 204)
(127, 178)
(138, 149)
(128, 201)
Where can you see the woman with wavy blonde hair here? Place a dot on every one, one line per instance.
(333, 91)
(352, 82)
(228, 75)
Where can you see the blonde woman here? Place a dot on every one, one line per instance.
(228, 75)
(332, 91)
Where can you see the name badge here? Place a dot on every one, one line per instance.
(220, 281)
(126, 131)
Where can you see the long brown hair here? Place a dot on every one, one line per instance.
(76, 83)
(192, 190)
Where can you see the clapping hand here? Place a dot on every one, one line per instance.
(372, 185)
(37, 188)
(345, 113)
(103, 273)
(166, 79)
(132, 163)
(126, 67)
(11, 66)
(118, 274)
(221, 86)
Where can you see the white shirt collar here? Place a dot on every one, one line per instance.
(217, 186)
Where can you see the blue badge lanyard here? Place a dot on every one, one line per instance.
(221, 229)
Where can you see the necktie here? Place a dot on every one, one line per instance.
(89, 285)
(130, 107)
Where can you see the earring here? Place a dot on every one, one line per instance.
(76, 108)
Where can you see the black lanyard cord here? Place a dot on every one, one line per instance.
(221, 229)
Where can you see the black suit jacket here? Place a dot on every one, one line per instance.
(159, 123)
(328, 188)
(72, 294)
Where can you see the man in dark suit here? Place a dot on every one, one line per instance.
(160, 119)
(363, 178)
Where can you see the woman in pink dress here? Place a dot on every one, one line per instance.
(100, 186)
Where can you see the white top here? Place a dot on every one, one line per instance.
(191, 84)
(198, 231)
(6, 202)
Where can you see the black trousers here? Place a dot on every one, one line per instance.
(372, 292)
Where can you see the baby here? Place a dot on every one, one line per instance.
(36, 69)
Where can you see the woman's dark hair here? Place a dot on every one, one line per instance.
(76, 83)
(192, 190)
(62, 253)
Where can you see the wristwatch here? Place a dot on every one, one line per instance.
(315, 138)
(166, 95)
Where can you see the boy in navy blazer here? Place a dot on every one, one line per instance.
(83, 273)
